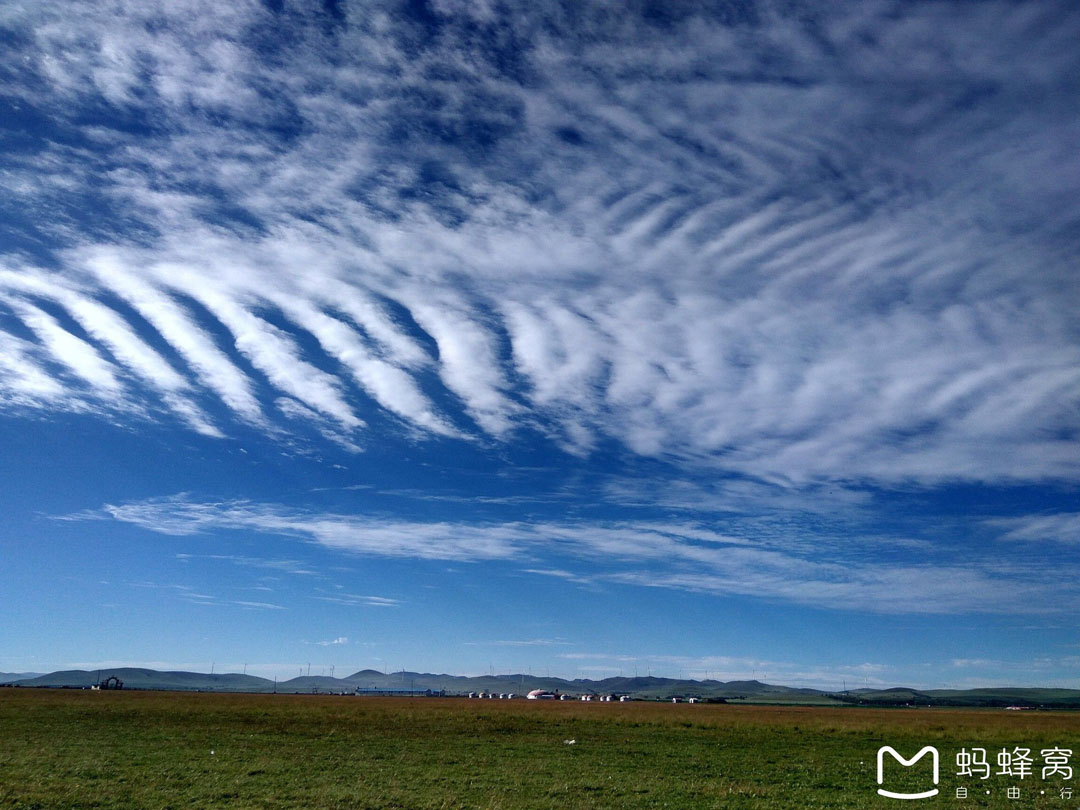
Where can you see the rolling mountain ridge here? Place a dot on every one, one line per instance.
(648, 687)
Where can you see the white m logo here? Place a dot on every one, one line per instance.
(907, 763)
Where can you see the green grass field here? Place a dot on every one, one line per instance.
(76, 749)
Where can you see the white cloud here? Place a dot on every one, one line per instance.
(183, 517)
(188, 593)
(256, 605)
(294, 567)
(389, 385)
(277, 356)
(208, 362)
(559, 573)
(81, 359)
(530, 642)
(360, 600)
(723, 246)
(681, 556)
(25, 382)
(116, 335)
(1063, 527)
(468, 363)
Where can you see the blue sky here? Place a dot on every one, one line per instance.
(736, 339)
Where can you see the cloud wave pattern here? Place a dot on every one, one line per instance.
(795, 246)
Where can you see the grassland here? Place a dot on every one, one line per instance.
(81, 749)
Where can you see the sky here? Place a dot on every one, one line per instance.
(711, 339)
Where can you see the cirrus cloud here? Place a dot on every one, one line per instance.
(794, 248)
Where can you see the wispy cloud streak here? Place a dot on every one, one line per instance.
(681, 556)
(1062, 527)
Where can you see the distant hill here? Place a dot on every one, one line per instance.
(135, 678)
(11, 677)
(639, 687)
(1028, 697)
